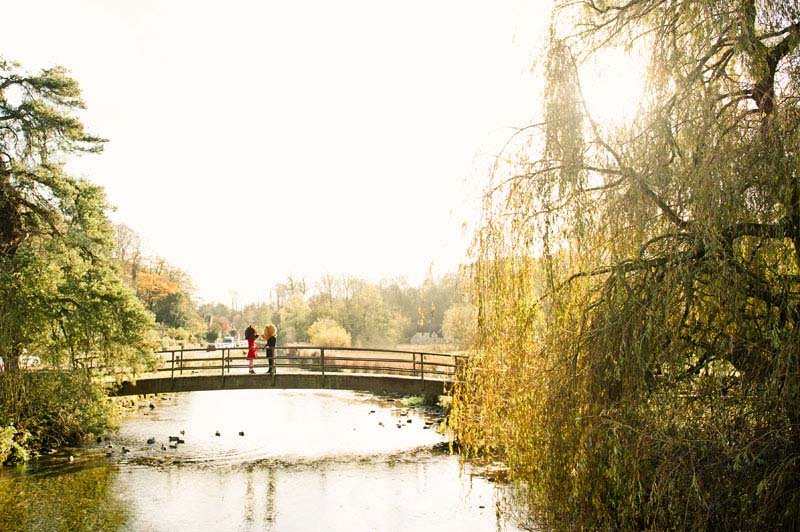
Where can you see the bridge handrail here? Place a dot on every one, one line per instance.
(317, 361)
(317, 347)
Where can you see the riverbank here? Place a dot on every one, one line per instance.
(41, 411)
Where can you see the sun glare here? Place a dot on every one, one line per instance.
(613, 85)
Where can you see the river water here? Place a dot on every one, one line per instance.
(283, 460)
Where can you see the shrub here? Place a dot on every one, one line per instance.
(12, 444)
(46, 409)
(327, 332)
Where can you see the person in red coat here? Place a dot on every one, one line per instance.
(250, 335)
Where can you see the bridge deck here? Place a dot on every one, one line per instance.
(300, 367)
(336, 381)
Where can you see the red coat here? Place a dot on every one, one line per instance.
(251, 348)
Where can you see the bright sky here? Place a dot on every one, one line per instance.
(251, 141)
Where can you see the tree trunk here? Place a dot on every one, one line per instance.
(12, 360)
(11, 232)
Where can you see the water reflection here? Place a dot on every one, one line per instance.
(77, 499)
(330, 495)
(319, 460)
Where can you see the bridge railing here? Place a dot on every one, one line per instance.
(315, 359)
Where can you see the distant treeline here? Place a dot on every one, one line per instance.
(382, 314)
(338, 310)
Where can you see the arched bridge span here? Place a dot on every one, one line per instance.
(300, 367)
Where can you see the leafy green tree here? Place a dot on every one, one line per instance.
(259, 315)
(282, 292)
(295, 318)
(404, 299)
(326, 332)
(373, 314)
(65, 302)
(38, 126)
(61, 296)
(435, 298)
(165, 290)
(219, 326)
(460, 324)
(212, 310)
(174, 310)
(369, 320)
(127, 252)
(27, 283)
(639, 287)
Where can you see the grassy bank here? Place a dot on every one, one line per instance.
(43, 410)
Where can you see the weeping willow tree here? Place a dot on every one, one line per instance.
(638, 288)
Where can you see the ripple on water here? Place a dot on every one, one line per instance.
(288, 425)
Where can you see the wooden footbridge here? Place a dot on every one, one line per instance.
(300, 367)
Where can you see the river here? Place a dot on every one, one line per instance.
(282, 460)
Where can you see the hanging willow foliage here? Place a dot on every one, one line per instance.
(638, 365)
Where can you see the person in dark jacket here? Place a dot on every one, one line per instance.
(271, 336)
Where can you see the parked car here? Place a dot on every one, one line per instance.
(228, 341)
(25, 361)
(29, 361)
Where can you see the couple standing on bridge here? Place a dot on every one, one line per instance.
(270, 336)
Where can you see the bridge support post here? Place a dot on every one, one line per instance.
(172, 367)
(322, 364)
(422, 367)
